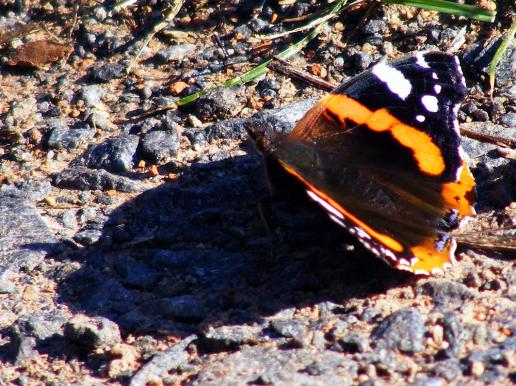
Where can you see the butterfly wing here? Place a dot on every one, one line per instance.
(381, 154)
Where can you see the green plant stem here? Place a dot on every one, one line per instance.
(491, 70)
(466, 10)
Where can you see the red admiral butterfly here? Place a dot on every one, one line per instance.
(381, 155)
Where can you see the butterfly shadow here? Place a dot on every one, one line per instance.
(212, 248)
(212, 244)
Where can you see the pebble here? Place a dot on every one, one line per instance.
(291, 328)
(161, 364)
(374, 26)
(508, 119)
(30, 190)
(177, 52)
(99, 118)
(403, 330)
(92, 332)
(160, 146)
(453, 334)
(83, 178)
(42, 325)
(481, 115)
(27, 228)
(92, 95)
(106, 72)
(354, 342)
(447, 293)
(229, 129)
(114, 155)
(69, 139)
(230, 337)
(88, 236)
(449, 369)
(222, 103)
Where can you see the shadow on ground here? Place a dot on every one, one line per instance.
(211, 248)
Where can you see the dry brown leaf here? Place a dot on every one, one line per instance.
(38, 54)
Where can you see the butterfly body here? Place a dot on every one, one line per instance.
(381, 155)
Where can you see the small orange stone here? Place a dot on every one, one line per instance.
(111, 192)
(153, 170)
(177, 87)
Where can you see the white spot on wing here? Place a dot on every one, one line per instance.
(362, 234)
(455, 123)
(394, 79)
(434, 76)
(420, 60)
(335, 219)
(430, 103)
(437, 88)
(420, 118)
(459, 70)
(458, 173)
(324, 204)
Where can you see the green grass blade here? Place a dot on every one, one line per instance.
(262, 68)
(466, 10)
(499, 53)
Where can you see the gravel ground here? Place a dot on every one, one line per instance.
(149, 250)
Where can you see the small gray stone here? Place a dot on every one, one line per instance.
(176, 53)
(374, 26)
(289, 328)
(481, 115)
(62, 137)
(448, 369)
(453, 334)
(42, 325)
(508, 119)
(88, 236)
(403, 330)
(83, 178)
(107, 71)
(31, 190)
(25, 238)
(160, 146)
(447, 293)
(160, 365)
(113, 155)
(230, 337)
(354, 342)
(222, 103)
(92, 96)
(99, 118)
(230, 128)
(92, 332)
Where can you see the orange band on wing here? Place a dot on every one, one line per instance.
(427, 154)
(384, 239)
(461, 194)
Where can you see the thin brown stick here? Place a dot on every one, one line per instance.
(489, 138)
(282, 67)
